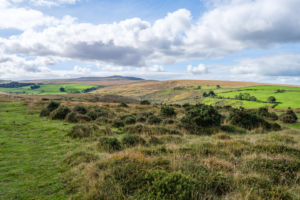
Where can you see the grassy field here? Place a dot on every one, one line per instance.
(39, 160)
(47, 89)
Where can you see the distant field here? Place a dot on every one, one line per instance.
(271, 87)
(48, 89)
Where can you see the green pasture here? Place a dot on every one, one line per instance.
(269, 87)
(234, 103)
(47, 89)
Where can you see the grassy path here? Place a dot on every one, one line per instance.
(32, 150)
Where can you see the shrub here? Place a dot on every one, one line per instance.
(60, 113)
(163, 185)
(123, 104)
(166, 111)
(101, 121)
(168, 121)
(145, 102)
(200, 116)
(80, 109)
(145, 114)
(53, 105)
(72, 117)
(249, 120)
(289, 117)
(263, 112)
(132, 140)
(106, 130)
(186, 105)
(45, 112)
(222, 136)
(83, 118)
(102, 112)
(79, 157)
(141, 119)
(109, 144)
(82, 131)
(154, 120)
(117, 123)
(123, 117)
(92, 114)
(129, 120)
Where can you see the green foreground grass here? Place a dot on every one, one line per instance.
(39, 161)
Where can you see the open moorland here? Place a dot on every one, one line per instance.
(97, 150)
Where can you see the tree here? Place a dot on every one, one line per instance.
(204, 94)
(199, 87)
(272, 99)
(218, 86)
(211, 93)
(62, 89)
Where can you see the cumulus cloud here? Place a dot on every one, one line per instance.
(284, 64)
(112, 68)
(46, 2)
(81, 69)
(153, 68)
(200, 69)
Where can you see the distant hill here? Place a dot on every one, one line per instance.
(114, 77)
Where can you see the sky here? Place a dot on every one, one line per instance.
(234, 40)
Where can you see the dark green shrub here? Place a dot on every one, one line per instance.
(200, 116)
(109, 144)
(45, 112)
(60, 113)
(129, 120)
(101, 121)
(82, 131)
(154, 120)
(83, 118)
(102, 112)
(145, 102)
(163, 185)
(171, 139)
(53, 105)
(80, 157)
(186, 105)
(141, 119)
(123, 104)
(92, 114)
(168, 121)
(80, 109)
(145, 114)
(132, 140)
(166, 111)
(123, 117)
(72, 117)
(117, 123)
(289, 117)
(264, 112)
(249, 120)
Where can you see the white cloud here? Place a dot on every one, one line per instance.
(200, 69)
(46, 2)
(154, 68)
(81, 69)
(112, 68)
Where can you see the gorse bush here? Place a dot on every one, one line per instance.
(132, 140)
(200, 116)
(101, 121)
(289, 117)
(248, 120)
(72, 117)
(53, 105)
(123, 104)
(60, 113)
(117, 123)
(264, 112)
(80, 109)
(109, 144)
(154, 120)
(83, 118)
(92, 114)
(166, 111)
(145, 102)
(129, 120)
(45, 112)
(82, 131)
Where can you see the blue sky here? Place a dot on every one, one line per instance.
(239, 40)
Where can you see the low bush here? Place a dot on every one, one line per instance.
(132, 140)
(53, 105)
(123, 104)
(166, 111)
(123, 117)
(80, 109)
(152, 130)
(117, 123)
(80, 157)
(101, 121)
(264, 112)
(45, 112)
(109, 144)
(249, 120)
(141, 119)
(145, 102)
(83, 118)
(92, 114)
(82, 131)
(145, 114)
(154, 120)
(72, 117)
(168, 121)
(102, 112)
(106, 131)
(129, 120)
(289, 117)
(171, 139)
(60, 113)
